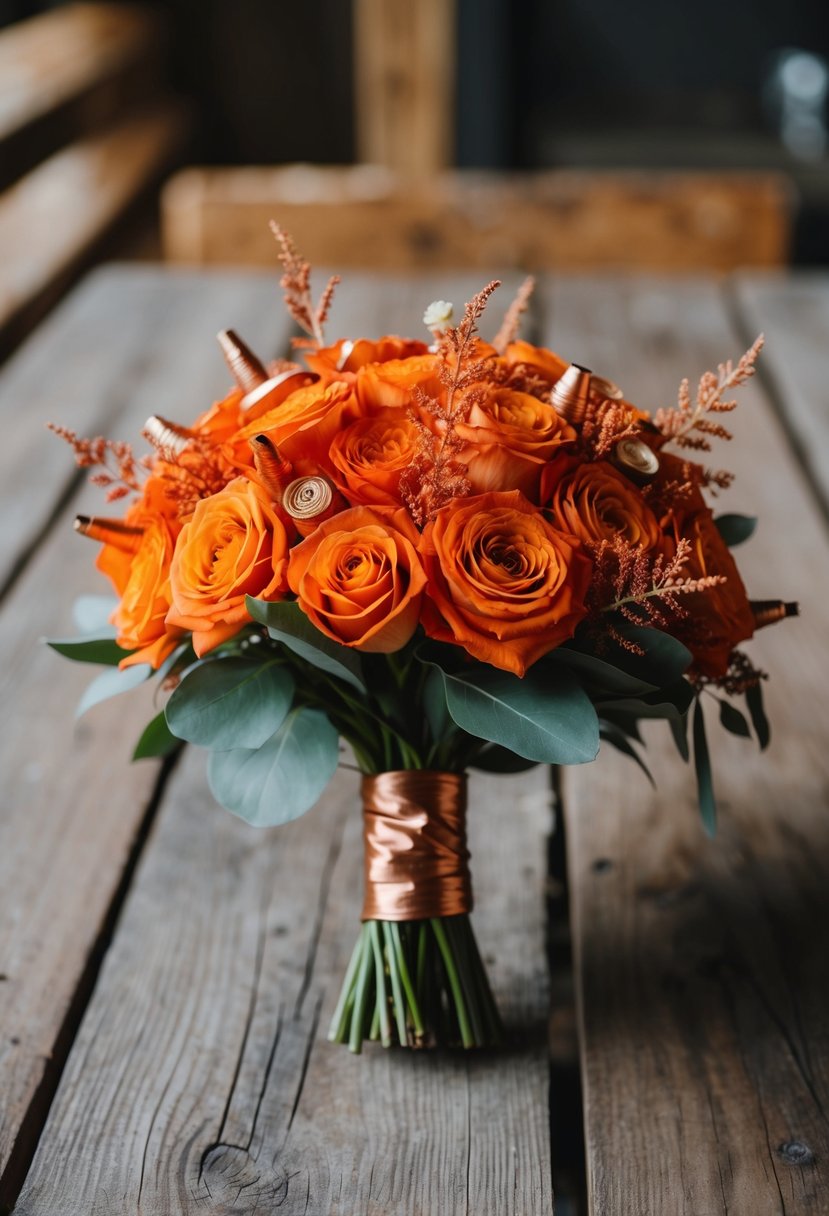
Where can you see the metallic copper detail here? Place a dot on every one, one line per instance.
(571, 393)
(276, 472)
(416, 859)
(109, 532)
(345, 354)
(270, 388)
(248, 371)
(769, 612)
(311, 500)
(636, 459)
(168, 438)
(602, 389)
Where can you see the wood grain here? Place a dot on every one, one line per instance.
(702, 964)
(131, 342)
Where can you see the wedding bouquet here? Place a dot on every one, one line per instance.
(447, 554)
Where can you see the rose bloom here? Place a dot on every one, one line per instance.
(508, 437)
(234, 545)
(503, 582)
(721, 617)
(140, 617)
(359, 579)
(371, 454)
(304, 424)
(344, 359)
(543, 363)
(595, 502)
(392, 384)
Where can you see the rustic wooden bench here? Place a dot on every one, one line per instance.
(166, 972)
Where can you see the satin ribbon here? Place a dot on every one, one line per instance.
(414, 830)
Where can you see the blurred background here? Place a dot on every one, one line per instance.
(572, 134)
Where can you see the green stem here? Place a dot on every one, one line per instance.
(336, 1033)
(382, 1000)
(405, 979)
(457, 940)
(355, 1040)
(467, 1036)
(396, 986)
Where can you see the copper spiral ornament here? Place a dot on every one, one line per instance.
(109, 532)
(248, 371)
(769, 612)
(275, 471)
(168, 438)
(311, 500)
(633, 457)
(571, 394)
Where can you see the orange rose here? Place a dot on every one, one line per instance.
(721, 617)
(370, 455)
(539, 361)
(234, 545)
(392, 384)
(508, 437)
(140, 617)
(358, 578)
(304, 424)
(344, 359)
(503, 583)
(595, 502)
(154, 504)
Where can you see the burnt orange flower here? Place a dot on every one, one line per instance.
(393, 384)
(720, 617)
(595, 502)
(508, 436)
(304, 424)
(371, 454)
(503, 582)
(234, 545)
(344, 359)
(359, 579)
(543, 363)
(141, 616)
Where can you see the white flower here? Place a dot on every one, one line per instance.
(438, 314)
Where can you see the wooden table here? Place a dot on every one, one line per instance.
(167, 973)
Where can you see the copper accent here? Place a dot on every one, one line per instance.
(634, 458)
(274, 390)
(109, 532)
(769, 612)
(168, 438)
(311, 500)
(571, 393)
(602, 389)
(248, 371)
(416, 859)
(276, 472)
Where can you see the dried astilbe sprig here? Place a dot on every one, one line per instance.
(740, 677)
(435, 475)
(296, 284)
(121, 473)
(512, 318)
(688, 425)
(605, 424)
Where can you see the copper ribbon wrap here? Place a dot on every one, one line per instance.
(414, 828)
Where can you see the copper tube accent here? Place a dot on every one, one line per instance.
(602, 389)
(168, 438)
(248, 371)
(276, 472)
(311, 500)
(769, 612)
(109, 532)
(634, 458)
(571, 393)
(414, 833)
(268, 392)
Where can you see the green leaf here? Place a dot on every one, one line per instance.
(734, 529)
(495, 759)
(664, 661)
(671, 702)
(435, 708)
(231, 703)
(552, 723)
(182, 657)
(282, 779)
(598, 673)
(733, 720)
(91, 614)
(754, 702)
(618, 739)
(679, 730)
(111, 683)
(90, 649)
(702, 765)
(157, 740)
(287, 623)
(626, 723)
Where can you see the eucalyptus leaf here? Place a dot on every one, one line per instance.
(100, 648)
(733, 720)
(156, 740)
(679, 730)
(664, 660)
(598, 673)
(702, 765)
(754, 702)
(282, 779)
(231, 703)
(111, 683)
(91, 614)
(435, 708)
(287, 623)
(618, 739)
(734, 529)
(550, 722)
(671, 702)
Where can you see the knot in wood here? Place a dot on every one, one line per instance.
(795, 1152)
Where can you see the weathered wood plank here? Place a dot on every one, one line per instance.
(702, 965)
(794, 313)
(201, 1079)
(71, 805)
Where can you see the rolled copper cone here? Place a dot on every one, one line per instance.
(634, 458)
(109, 532)
(768, 612)
(168, 438)
(246, 369)
(276, 472)
(310, 501)
(272, 392)
(602, 389)
(571, 394)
